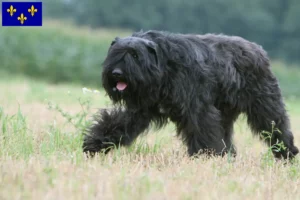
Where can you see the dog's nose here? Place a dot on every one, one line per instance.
(117, 72)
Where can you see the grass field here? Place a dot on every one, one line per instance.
(41, 158)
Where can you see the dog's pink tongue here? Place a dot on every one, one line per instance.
(121, 86)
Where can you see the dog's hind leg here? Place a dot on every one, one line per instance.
(114, 128)
(261, 113)
(229, 116)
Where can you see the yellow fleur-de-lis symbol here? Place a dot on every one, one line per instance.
(22, 18)
(11, 10)
(32, 10)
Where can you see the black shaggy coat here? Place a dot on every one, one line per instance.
(200, 82)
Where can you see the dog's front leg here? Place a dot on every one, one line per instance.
(202, 132)
(113, 129)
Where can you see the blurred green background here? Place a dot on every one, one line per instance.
(73, 42)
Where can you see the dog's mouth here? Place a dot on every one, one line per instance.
(121, 86)
(118, 81)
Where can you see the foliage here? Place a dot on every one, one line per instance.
(52, 54)
(61, 53)
(267, 136)
(271, 23)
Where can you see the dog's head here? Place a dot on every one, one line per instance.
(132, 72)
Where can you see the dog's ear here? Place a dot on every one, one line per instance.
(152, 45)
(114, 41)
(153, 48)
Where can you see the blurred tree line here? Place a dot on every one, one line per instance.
(61, 52)
(271, 23)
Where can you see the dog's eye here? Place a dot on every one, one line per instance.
(133, 54)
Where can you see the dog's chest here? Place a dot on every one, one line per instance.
(162, 109)
(167, 110)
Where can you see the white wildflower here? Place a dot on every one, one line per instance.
(96, 91)
(85, 90)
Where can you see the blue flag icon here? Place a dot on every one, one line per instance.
(22, 14)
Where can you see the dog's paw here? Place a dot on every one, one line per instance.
(287, 154)
(92, 145)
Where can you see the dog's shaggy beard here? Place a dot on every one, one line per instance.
(142, 76)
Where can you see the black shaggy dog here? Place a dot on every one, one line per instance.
(200, 82)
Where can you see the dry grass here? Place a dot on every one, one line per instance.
(40, 157)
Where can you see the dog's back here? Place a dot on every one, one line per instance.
(230, 48)
(237, 49)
